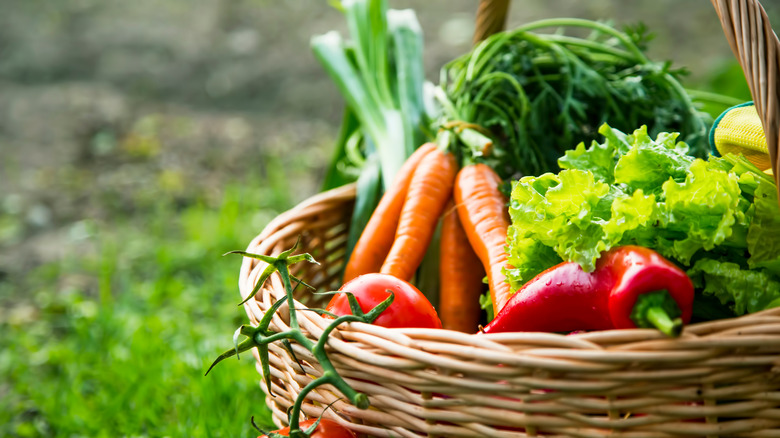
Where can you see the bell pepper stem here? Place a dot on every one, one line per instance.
(657, 309)
(660, 319)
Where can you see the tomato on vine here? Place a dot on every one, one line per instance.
(409, 308)
(326, 429)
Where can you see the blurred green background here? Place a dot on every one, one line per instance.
(141, 140)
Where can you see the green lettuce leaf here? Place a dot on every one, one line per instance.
(563, 212)
(633, 220)
(529, 258)
(744, 291)
(648, 164)
(763, 238)
(703, 208)
(719, 215)
(599, 159)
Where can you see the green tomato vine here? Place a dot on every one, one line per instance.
(261, 336)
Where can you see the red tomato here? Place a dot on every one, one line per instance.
(326, 429)
(410, 308)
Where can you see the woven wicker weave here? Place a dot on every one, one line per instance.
(719, 378)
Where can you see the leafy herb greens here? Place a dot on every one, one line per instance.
(536, 94)
(716, 218)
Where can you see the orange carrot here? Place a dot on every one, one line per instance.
(376, 239)
(429, 190)
(484, 215)
(460, 276)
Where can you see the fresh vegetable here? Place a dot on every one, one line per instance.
(483, 213)
(378, 237)
(324, 429)
(261, 335)
(717, 218)
(429, 190)
(631, 286)
(409, 308)
(380, 73)
(533, 95)
(461, 274)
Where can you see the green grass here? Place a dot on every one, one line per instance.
(115, 341)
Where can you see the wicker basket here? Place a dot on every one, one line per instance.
(719, 378)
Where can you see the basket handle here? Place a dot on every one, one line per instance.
(757, 49)
(491, 18)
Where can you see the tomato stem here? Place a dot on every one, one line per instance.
(262, 336)
(294, 415)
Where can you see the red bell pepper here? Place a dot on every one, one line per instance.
(631, 287)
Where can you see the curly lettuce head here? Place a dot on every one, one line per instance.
(633, 189)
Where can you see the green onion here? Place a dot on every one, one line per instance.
(379, 72)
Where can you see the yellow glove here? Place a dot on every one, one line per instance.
(738, 130)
